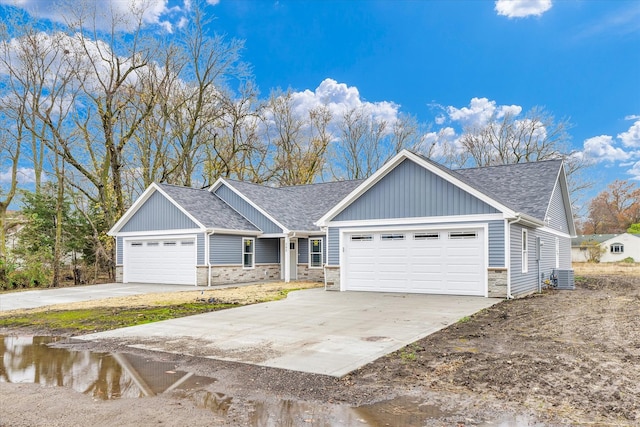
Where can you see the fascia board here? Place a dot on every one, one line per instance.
(221, 181)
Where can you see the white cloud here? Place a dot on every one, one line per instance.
(479, 111)
(122, 14)
(631, 138)
(635, 171)
(25, 176)
(340, 98)
(522, 8)
(632, 117)
(601, 148)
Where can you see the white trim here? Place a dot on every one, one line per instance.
(221, 181)
(253, 253)
(141, 200)
(417, 220)
(524, 250)
(554, 232)
(484, 227)
(321, 252)
(507, 254)
(159, 237)
(557, 248)
(389, 166)
(128, 234)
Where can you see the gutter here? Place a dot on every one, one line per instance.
(208, 243)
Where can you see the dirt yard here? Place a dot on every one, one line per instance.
(559, 358)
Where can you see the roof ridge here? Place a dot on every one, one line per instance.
(509, 164)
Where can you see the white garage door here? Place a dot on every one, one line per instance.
(428, 261)
(171, 261)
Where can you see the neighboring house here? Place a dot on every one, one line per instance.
(615, 247)
(414, 226)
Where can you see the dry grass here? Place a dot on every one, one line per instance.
(606, 268)
(238, 295)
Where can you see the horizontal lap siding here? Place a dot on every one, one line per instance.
(267, 251)
(557, 214)
(200, 247)
(409, 191)
(119, 250)
(333, 245)
(496, 244)
(225, 249)
(524, 283)
(245, 209)
(158, 213)
(303, 251)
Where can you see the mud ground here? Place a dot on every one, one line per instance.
(559, 358)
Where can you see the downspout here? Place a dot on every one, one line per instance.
(209, 258)
(510, 223)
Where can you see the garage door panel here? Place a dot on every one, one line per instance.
(442, 265)
(167, 260)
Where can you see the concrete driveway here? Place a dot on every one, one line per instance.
(316, 331)
(42, 297)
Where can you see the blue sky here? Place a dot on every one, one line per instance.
(447, 62)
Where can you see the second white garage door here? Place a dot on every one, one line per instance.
(171, 261)
(429, 261)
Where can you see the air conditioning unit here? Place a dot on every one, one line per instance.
(565, 279)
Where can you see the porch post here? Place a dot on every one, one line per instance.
(287, 259)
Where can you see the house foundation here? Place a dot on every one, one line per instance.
(497, 282)
(331, 278)
(229, 274)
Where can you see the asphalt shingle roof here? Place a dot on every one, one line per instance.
(578, 240)
(523, 187)
(207, 208)
(297, 207)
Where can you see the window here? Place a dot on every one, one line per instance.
(426, 236)
(247, 253)
(153, 243)
(136, 244)
(462, 235)
(525, 251)
(315, 253)
(169, 244)
(187, 243)
(392, 237)
(361, 237)
(617, 248)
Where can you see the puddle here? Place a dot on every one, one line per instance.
(106, 376)
(103, 376)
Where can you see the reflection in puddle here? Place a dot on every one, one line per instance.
(101, 375)
(112, 376)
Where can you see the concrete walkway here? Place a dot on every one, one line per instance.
(316, 331)
(43, 297)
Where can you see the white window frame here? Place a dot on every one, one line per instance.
(311, 239)
(252, 252)
(557, 252)
(616, 248)
(525, 250)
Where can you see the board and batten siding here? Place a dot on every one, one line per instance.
(410, 191)
(225, 249)
(303, 249)
(525, 283)
(496, 233)
(245, 209)
(158, 213)
(267, 251)
(556, 213)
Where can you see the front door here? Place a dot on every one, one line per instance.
(293, 259)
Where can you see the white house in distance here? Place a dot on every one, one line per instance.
(616, 247)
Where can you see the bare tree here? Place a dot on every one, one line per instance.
(299, 139)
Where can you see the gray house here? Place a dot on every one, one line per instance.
(414, 226)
